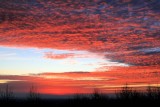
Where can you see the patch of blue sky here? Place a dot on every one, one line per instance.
(155, 49)
(32, 60)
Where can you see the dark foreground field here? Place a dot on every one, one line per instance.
(100, 102)
(125, 98)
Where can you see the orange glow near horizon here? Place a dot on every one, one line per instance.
(105, 82)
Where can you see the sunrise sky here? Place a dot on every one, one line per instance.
(75, 46)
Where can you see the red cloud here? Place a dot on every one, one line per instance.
(84, 25)
(50, 55)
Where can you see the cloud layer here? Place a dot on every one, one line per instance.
(85, 82)
(121, 27)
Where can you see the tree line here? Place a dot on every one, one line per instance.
(126, 96)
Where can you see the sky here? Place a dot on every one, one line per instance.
(76, 46)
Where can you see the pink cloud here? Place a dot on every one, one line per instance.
(50, 55)
(91, 26)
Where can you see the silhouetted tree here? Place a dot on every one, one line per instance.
(125, 93)
(97, 95)
(151, 93)
(158, 92)
(33, 94)
(6, 94)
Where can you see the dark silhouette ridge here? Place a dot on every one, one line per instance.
(125, 97)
